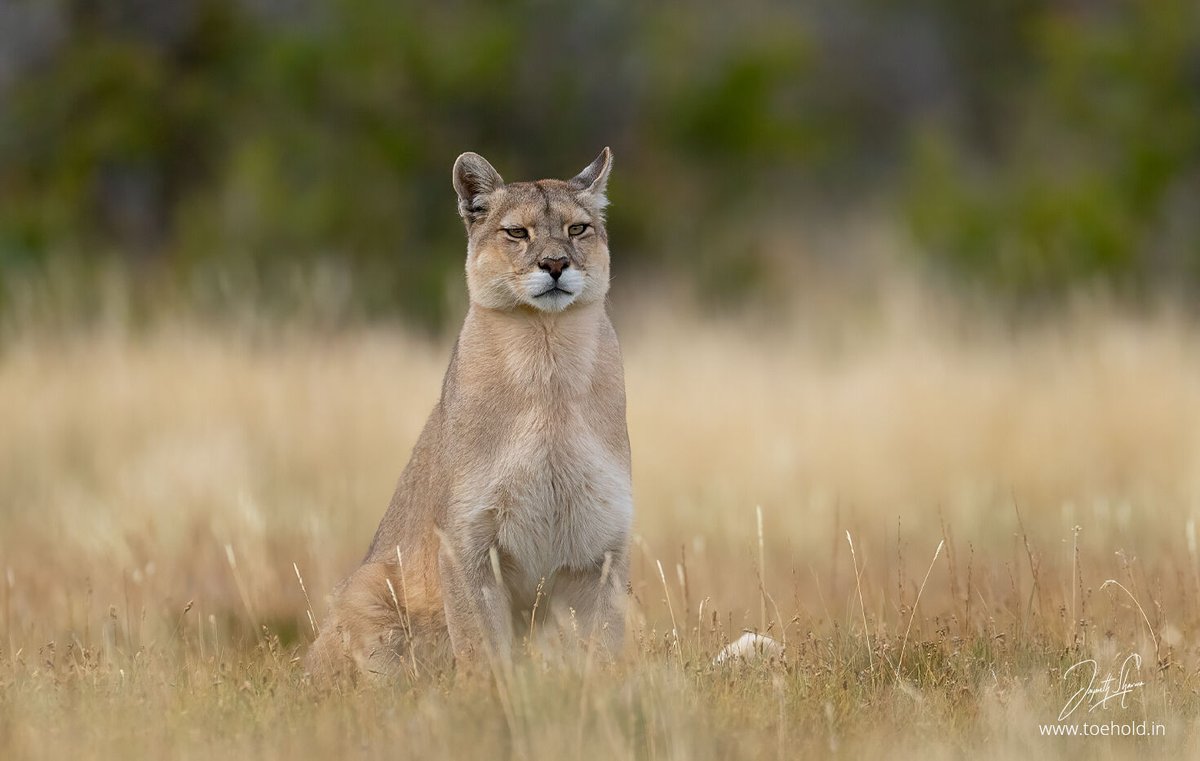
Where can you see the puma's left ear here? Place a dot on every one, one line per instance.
(593, 180)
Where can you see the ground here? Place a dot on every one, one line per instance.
(944, 499)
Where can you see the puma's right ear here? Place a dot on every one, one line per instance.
(474, 180)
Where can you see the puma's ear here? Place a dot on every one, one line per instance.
(593, 180)
(474, 180)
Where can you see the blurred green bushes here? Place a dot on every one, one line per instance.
(225, 148)
(1095, 172)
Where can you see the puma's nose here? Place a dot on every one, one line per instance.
(554, 266)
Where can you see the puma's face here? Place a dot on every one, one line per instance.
(534, 244)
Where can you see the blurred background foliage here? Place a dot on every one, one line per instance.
(217, 151)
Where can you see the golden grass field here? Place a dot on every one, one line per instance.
(160, 489)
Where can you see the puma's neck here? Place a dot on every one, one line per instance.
(530, 350)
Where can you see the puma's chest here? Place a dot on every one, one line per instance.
(559, 496)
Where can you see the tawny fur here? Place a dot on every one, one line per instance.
(521, 476)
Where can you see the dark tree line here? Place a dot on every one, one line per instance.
(1029, 144)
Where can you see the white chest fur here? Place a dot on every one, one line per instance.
(558, 497)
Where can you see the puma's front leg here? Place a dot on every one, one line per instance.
(477, 606)
(596, 599)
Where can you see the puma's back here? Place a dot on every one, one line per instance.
(520, 480)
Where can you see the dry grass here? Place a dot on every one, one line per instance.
(156, 490)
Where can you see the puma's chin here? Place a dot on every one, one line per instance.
(553, 294)
(554, 300)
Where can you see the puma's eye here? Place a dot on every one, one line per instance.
(519, 233)
(576, 230)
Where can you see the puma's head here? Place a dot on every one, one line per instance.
(539, 245)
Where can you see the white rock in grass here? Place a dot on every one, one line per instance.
(748, 648)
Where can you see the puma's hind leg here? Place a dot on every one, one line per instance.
(380, 624)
